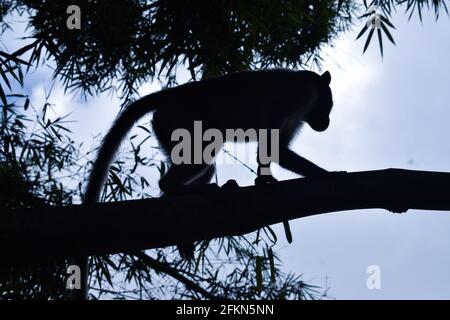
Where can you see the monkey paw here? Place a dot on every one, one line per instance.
(230, 185)
(264, 179)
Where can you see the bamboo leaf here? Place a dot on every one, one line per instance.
(273, 273)
(368, 40)
(380, 41)
(385, 20)
(27, 104)
(388, 34)
(287, 231)
(363, 30)
(258, 269)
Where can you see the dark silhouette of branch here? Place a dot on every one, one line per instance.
(207, 212)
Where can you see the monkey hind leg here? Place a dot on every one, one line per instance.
(181, 175)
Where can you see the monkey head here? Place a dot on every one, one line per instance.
(319, 116)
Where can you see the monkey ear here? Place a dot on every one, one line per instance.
(326, 78)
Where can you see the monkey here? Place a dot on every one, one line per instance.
(264, 99)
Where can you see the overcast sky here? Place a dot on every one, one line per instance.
(390, 112)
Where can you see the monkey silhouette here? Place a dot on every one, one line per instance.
(265, 99)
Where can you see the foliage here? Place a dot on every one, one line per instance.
(130, 42)
(126, 43)
(381, 10)
(33, 165)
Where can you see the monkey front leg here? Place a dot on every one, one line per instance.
(264, 175)
(297, 164)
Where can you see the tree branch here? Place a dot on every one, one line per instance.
(207, 212)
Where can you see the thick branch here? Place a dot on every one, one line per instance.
(208, 212)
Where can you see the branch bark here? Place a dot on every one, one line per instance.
(207, 212)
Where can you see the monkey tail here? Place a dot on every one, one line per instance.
(124, 122)
(111, 143)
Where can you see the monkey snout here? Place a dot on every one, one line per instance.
(320, 126)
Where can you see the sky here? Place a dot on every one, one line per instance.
(390, 112)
